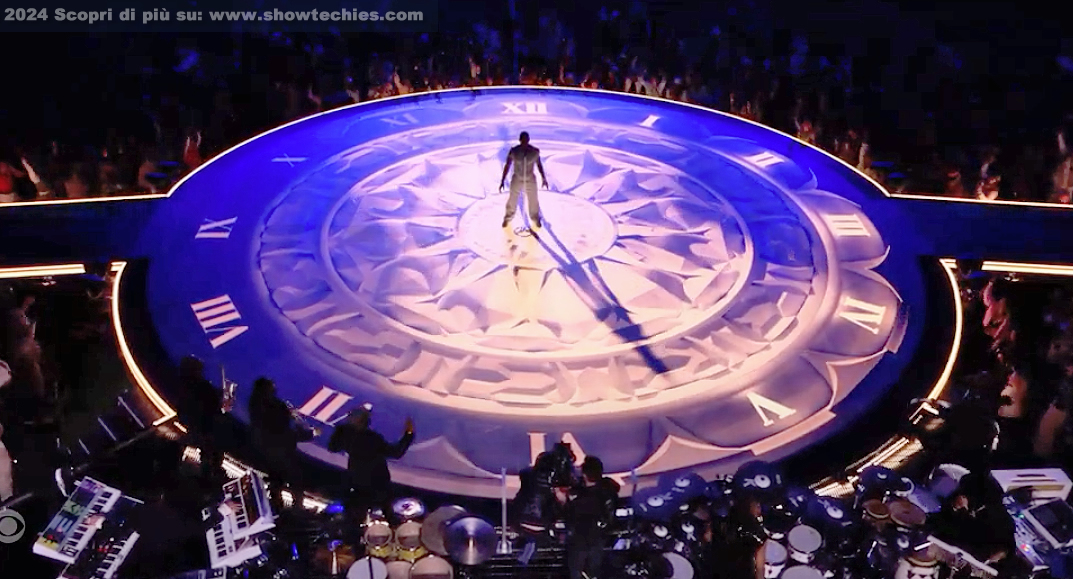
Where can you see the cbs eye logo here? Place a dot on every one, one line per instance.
(12, 526)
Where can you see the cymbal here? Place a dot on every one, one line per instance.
(470, 540)
(408, 509)
(434, 526)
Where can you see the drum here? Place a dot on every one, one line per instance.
(399, 569)
(681, 568)
(367, 568)
(906, 516)
(775, 556)
(688, 534)
(387, 552)
(778, 522)
(378, 533)
(876, 513)
(758, 478)
(408, 509)
(804, 541)
(412, 555)
(408, 535)
(431, 567)
(920, 565)
(802, 572)
(378, 540)
(657, 537)
(902, 487)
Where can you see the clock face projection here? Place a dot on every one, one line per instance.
(704, 291)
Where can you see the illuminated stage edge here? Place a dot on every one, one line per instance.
(892, 454)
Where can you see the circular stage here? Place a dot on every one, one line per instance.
(705, 291)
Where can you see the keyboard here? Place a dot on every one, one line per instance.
(234, 539)
(227, 551)
(109, 546)
(254, 513)
(957, 558)
(68, 533)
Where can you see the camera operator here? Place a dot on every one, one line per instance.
(589, 507)
(537, 509)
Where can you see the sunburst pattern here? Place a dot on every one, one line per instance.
(644, 287)
(625, 237)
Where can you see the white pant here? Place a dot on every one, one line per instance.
(530, 187)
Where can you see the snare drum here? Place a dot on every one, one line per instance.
(775, 556)
(920, 565)
(431, 567)
(804, 541)
(399, 569)
(802, 572)
(367, 568)
(681, 568)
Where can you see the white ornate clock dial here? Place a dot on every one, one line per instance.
(695, 298)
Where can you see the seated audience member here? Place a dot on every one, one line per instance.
(145, 171)
(7, 483)
(8, 186)
(77, 185)
(1054, 434)
(44, 190)
(192, 151)
(108, 176)
(955, 186)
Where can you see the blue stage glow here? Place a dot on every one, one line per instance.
(705, 291)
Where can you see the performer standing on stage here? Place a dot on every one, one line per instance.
(368, 477)
(589, 509)
(276, 435)
(523, 157)
(200, 410)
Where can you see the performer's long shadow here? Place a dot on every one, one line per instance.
(607, 307)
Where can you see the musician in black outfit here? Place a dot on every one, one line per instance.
(276, 435)
(201, 412)
(738, 540)
(368, 477)
(589, 509)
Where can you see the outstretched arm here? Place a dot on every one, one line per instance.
(506, 169)
(540, 167)
(399, 448)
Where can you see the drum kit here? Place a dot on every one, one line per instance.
(420, 546)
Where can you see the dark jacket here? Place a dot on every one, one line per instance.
(590, 508)
(270, 422)
(368, 454)
(201, 409)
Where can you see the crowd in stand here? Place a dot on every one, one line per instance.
(1019, 359)
(215, 97)
(47, 331)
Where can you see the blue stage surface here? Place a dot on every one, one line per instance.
(705, 291)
